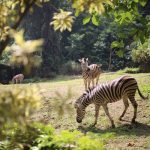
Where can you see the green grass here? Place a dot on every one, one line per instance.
(129, 70)
(124, 136)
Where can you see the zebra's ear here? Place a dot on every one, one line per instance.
(79, 60)
(84, 93)
(87, 59)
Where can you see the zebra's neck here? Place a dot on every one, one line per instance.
(87, 101)
(84, 68)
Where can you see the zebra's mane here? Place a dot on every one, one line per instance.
(85, 95)
(89, 90)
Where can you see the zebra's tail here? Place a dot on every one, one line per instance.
(143, 97)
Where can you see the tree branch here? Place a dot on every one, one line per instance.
(4, 43)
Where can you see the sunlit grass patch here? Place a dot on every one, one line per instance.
(129, 70)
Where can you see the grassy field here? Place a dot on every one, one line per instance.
(124, 136)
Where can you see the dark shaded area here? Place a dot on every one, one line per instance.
(138, 129)
(7, 72)
(37, 25)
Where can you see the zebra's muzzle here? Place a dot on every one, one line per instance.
(79, 121)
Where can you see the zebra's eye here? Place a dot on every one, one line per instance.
(84, 94)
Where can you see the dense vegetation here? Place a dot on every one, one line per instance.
(108, 39)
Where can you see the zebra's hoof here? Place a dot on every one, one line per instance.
(120, 119)
(133, 121)
(93, 125)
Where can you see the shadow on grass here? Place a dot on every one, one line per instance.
(138, 129)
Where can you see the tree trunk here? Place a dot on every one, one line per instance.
(110, 58)
(37, 26)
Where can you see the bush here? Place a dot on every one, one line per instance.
(71, 68)
(142, 56)
(68, 140)
(129, 70)
(18, 103)
(16, 137)
(43, 137)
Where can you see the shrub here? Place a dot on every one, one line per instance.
(18, 103)
(129, 70)
(43, 137)
(71, 68)
(70, 140)
(142, 55)
(17, 137)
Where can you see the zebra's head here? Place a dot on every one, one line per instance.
(80, 108)
(84, 62)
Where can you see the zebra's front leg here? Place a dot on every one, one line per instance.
(93, 82)
(85, 84)
(110, 118)
(96, 113)
(89, 82)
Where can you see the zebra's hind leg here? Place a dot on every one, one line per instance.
(126, 105)
(107, 113)
(135, 105)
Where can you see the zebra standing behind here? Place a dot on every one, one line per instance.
(89, 73)
(121, 88)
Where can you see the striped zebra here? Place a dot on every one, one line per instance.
(89, 73)
(121, 88)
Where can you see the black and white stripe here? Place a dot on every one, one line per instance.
(90, 72)
(121, 88)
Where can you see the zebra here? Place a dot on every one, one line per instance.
(89, 73)
(123, 87)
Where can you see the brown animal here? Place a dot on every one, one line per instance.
(18, 78)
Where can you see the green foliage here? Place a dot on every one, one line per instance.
(142, 53)
(95, 20)
(120, 53)
(15, 136)
(23, 52)
(96, 43)
(89, 144)
(10, 13)
(116, 44)
(86, 20)
(62, 20)
(71, 140)
(91, 7)
(5, 58)
(71, 68)
(129, 70)
(20, 102)
(39, 136)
